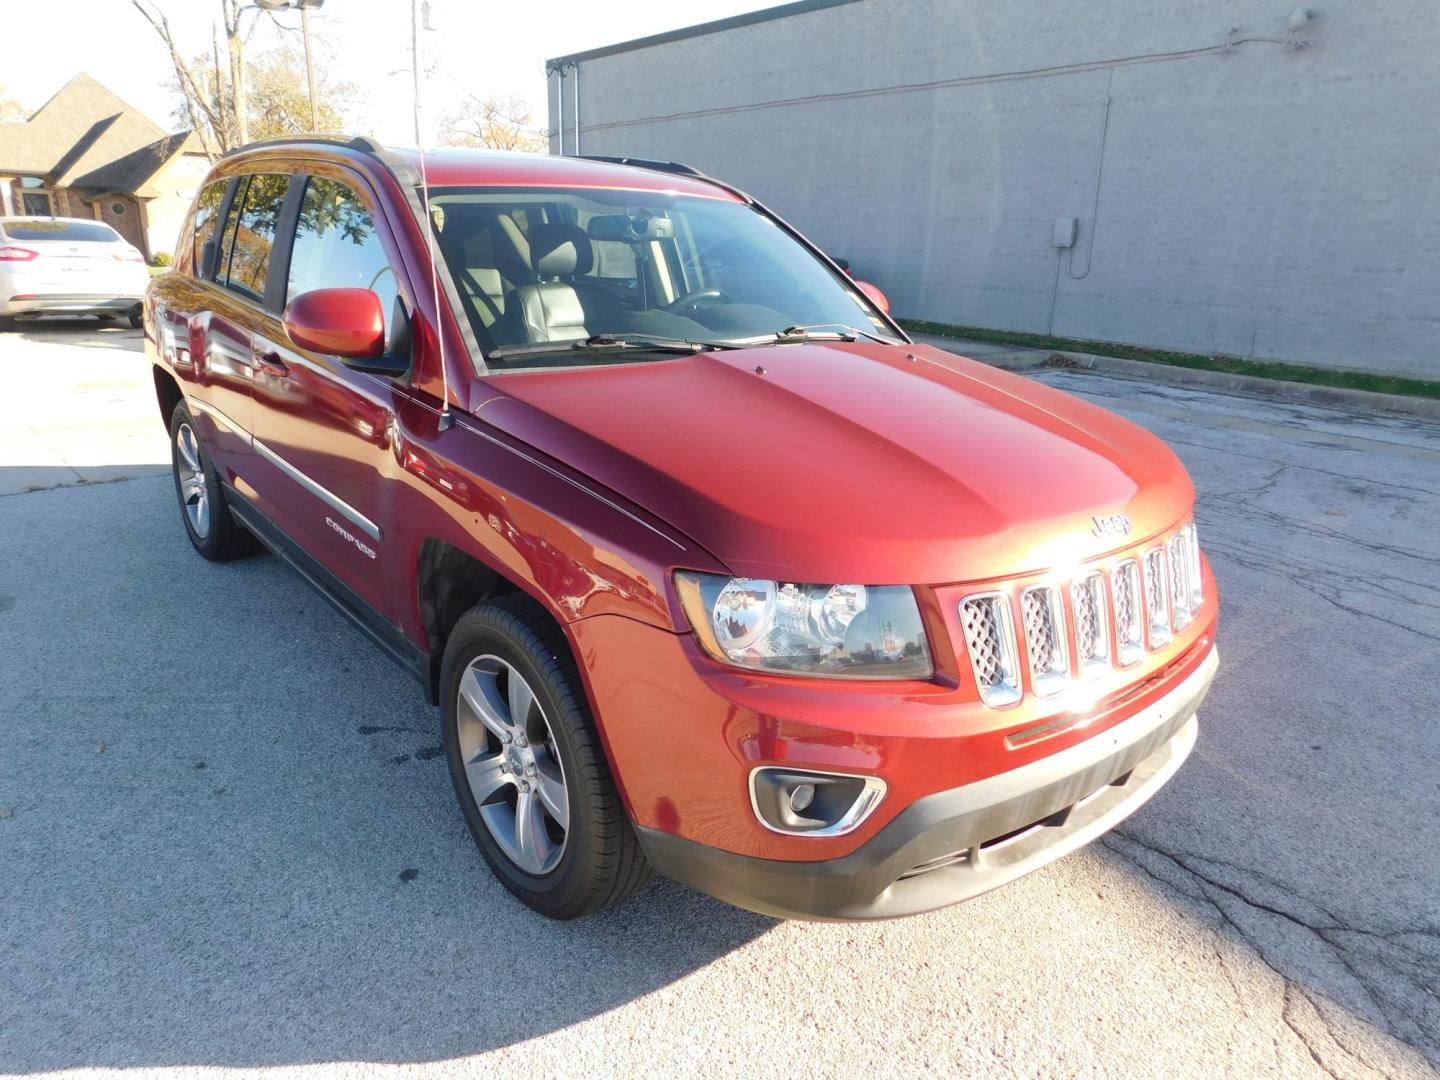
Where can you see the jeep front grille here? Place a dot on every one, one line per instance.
(1044, 616)
(1092, 631)
(990, 641)
(1111, 616)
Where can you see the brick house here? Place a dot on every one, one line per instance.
(87, 154)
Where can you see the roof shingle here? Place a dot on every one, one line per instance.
(86, 136)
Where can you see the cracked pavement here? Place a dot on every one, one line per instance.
(227, 842)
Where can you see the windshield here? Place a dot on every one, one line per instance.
(60, 229)
(556, 266)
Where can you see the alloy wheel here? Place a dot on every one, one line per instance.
(511, 764)
(194, 492)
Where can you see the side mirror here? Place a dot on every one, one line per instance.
(874, 295)
(348, 323)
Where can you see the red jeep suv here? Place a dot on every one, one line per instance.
(708, 566)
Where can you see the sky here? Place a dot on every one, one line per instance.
(483, 47)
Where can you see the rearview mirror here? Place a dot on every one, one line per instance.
(874, 295)
(638, 225)
(348, 323)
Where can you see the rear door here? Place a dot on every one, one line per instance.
(329, 431)
(221, 328)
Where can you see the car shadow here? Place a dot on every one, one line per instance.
(229, 834)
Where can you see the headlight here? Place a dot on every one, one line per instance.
(835, 631)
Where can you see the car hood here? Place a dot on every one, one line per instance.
(845, 462)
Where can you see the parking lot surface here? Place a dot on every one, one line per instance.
(228, 840)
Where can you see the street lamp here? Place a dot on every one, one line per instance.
(305, 7)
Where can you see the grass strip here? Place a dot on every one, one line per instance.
(1233, 365)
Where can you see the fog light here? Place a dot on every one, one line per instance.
(801, 797)
(803, 802)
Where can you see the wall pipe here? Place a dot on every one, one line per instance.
(558, 70)
(575, 67)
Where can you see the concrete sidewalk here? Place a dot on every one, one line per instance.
(84, 414)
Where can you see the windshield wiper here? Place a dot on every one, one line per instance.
(607, 343)
(818, 332)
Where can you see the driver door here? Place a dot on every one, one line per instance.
(326, 429)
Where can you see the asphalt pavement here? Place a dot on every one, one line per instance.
(228, 841)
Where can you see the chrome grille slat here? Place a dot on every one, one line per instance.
(1129, 630)
(1179, 556)
(1092, 631)
(1197, 590)
(1157, 597)
(990, 643)
(1043, 614)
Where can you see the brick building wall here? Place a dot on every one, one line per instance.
(127, 221)
(1240, 187)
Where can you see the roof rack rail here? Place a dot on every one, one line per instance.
(356, 142)
(677, 168)
(646, 163)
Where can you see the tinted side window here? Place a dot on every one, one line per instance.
(207, 207)
(226, 240)
(336, 246)
(249, 258)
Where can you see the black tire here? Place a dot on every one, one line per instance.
(600, 863)
(7, 324)
(224, 538)
(136, 320)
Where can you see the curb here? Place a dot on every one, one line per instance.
(1304, 393)
(1023, 360)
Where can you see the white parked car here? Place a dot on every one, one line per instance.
(68, 266)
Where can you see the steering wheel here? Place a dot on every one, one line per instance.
(692, 299)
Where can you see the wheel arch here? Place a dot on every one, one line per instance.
(167, 393)
(449, 581)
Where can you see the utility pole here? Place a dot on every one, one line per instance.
(309, 67)
(305, 7)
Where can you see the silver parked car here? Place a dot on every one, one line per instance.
(68, 266)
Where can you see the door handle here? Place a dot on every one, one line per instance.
(271, 364)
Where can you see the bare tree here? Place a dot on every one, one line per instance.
(216, 101)
(501, 124)
(209, 119)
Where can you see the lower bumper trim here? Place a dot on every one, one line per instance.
(70, 304)
(957, 844)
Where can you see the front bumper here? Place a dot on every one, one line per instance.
(956, 844)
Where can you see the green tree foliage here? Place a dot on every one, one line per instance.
(278, 99)
(280, 102)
